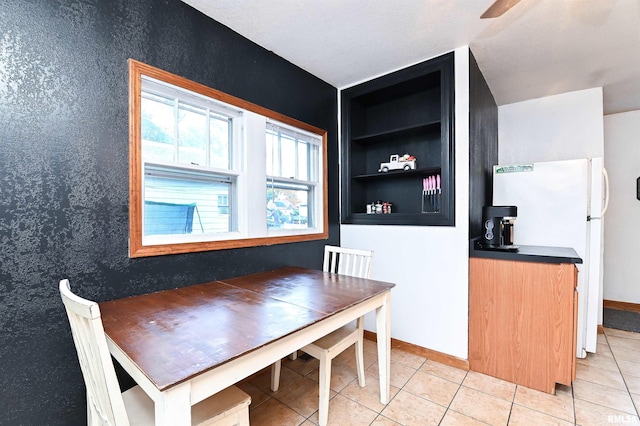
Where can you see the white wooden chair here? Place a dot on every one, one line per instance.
(347, 262)
(106, 405)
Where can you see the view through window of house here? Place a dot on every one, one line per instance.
(197, 156)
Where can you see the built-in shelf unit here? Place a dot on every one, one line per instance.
(406, 112)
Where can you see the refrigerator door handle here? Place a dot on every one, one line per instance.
(605, 175)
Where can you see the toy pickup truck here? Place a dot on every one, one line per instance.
(396, 162)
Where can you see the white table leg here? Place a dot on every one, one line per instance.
(383, 329)
(325, 389)
(276, 368)
(174, 407)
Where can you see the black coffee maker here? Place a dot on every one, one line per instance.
(497, 227)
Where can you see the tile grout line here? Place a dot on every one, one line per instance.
(513, 401)
(573, 404)
(454, 397)
(399, 389)
(624, 380)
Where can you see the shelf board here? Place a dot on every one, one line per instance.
(432, 219)
(397, 87)
(398, 132)
(398, 174)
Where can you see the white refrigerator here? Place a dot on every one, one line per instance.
(561, 204)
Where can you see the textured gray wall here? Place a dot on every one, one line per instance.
(64, 173)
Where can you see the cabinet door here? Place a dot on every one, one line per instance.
(522, 321)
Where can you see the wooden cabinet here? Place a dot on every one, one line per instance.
(522, 321)
(407, 112)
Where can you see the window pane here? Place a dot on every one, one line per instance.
(291, 155)
(192, 140)
(288, 206)
(219, 134)
(157, 125)
(223, 204)
(176, 205)
(288, 150)
(273, 166)
(303, 158)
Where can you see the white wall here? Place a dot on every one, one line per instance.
(560, 127)
(622, 221)
(429, 264)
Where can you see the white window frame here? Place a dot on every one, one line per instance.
(247, 172)
(212, 175)
(312, 181)
(232, 174)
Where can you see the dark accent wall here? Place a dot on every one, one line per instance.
(483, 145)
(64, 173)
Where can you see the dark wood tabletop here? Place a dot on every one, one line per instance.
(176, 334)
(320, 291)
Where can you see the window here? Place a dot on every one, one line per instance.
(187, 145)
(199, 161)
(292, 177)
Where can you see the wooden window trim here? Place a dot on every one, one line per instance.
(136, 249)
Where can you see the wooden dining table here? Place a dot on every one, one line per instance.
(185, 344)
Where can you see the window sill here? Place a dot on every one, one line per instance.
(166, 249)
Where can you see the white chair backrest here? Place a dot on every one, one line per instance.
(104, 399)
(347, 261)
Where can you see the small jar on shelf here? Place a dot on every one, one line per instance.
(379, 207)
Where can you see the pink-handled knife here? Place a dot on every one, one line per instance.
(438, 190)
(432, 190)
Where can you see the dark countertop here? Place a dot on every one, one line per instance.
(540, 254)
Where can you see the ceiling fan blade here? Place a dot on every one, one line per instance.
(498, 8)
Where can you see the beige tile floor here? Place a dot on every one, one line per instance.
(424, 392)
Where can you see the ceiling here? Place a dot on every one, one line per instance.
(538, 48)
